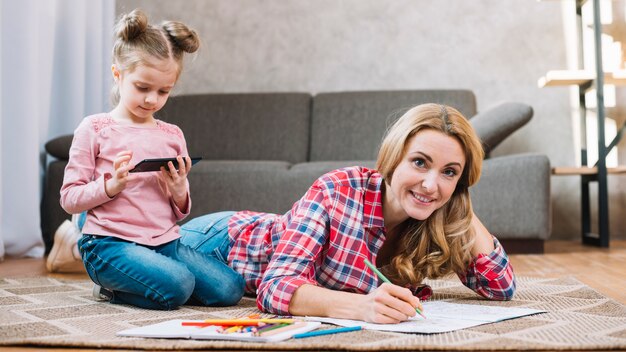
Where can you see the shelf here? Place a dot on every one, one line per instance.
(579, 77)
(585, 78)
(564, 171)
(619, 77)
(565, 77)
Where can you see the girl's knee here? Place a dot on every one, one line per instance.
(177, 292)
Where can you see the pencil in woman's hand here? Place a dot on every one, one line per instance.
(382, 277)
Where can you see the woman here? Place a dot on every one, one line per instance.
(412, 217)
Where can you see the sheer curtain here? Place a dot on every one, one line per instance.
(55, 58)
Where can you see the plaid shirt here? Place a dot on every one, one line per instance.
(323, 240)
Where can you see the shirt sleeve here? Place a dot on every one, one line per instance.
(292, 264)
(491, 276)
(182, 213)
(80, 192)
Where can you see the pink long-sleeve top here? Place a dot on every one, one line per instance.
(144, 212)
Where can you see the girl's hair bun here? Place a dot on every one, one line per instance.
(131, 25)
(182, 36)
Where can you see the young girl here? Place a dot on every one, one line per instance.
(412, 217)
(131, 246)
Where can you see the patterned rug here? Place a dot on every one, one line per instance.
(61, 313)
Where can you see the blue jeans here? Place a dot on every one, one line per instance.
(208, 234)
(162, 277)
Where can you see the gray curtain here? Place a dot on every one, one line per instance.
(55, 69)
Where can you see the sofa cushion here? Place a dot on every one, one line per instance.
(241, 185)
(250, 126)
(267, 186)
(496, 123)
(351, 125)
(321, 167)
(249, 166)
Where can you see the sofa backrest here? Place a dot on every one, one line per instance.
(220, 127)
(351, 125)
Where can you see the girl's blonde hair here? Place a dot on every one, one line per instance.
(442, 243)
(136, 42)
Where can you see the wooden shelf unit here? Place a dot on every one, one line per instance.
(585, 79)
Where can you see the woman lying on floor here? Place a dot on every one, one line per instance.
(412, 217)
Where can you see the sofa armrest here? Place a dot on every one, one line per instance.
(60, 147)
(512, 197)
(497, 122)
(51, 213)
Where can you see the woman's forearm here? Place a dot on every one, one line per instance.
(322, 302)
(484, 241)
(387, 304)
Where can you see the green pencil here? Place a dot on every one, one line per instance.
(382, 277)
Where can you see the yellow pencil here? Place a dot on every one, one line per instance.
(232, 329)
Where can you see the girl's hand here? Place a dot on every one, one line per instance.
(120, 177)
(177, 180)
(389, 304)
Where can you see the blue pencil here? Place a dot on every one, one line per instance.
(326, 332)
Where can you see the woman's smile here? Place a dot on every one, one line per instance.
(426, 176)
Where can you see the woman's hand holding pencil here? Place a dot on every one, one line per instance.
(390, 303)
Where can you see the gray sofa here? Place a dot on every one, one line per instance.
(261, 151)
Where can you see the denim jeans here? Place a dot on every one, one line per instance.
(80, 220)
(161, 277)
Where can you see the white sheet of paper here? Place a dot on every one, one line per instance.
(171, 329)
(441, 317)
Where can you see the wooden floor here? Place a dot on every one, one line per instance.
(602, 269)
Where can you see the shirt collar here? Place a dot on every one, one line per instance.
(373, 207)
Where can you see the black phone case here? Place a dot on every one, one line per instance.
(148, 165)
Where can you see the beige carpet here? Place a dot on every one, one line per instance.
(52, 312)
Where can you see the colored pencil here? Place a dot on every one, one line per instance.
(270, 327)
(281, 329)
(236, 328)
(235, 322)
(385, 279)
(326, 332)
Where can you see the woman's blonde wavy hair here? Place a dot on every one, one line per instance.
(441, 244)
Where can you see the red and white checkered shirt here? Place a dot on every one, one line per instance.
(325, 237)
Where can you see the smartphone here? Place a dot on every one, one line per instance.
(148, 165)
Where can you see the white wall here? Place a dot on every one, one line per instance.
(498, 49)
